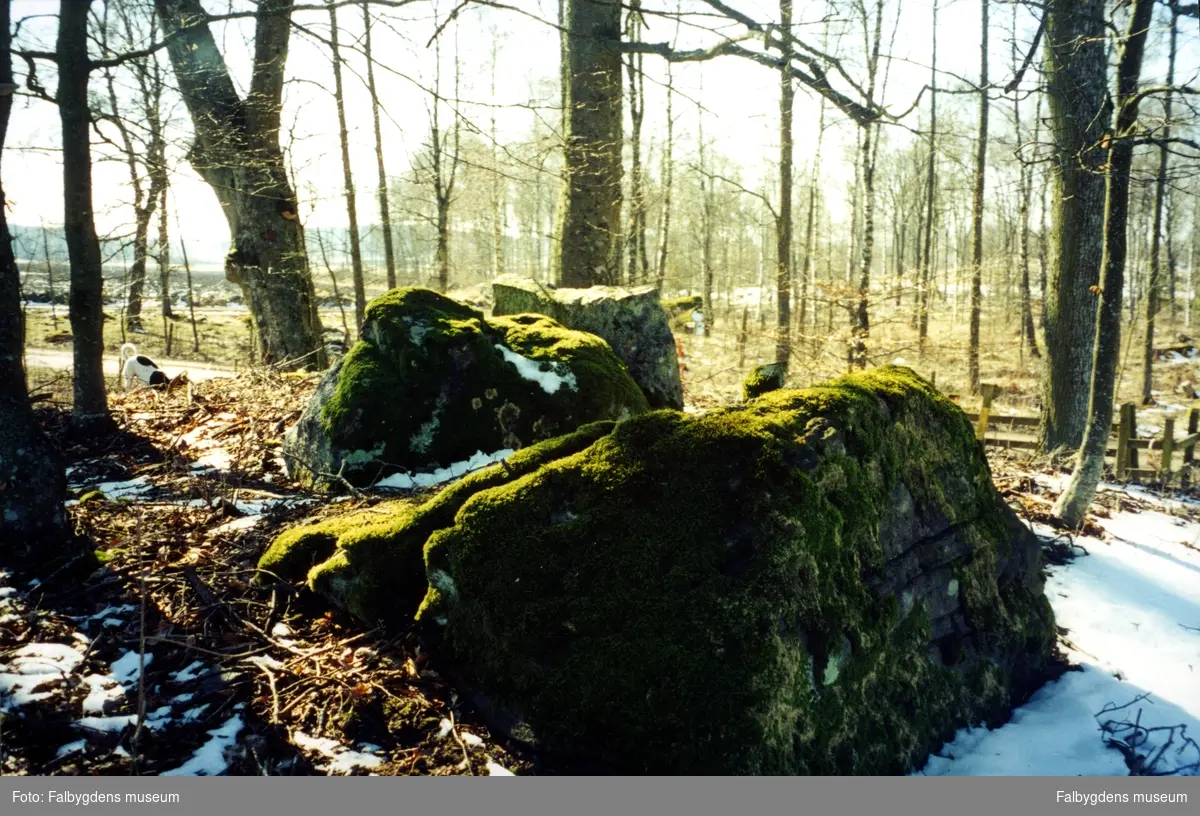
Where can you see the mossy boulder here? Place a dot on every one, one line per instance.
(818, 582)
(432, 383)
(371, 562)
(680, 309)
(763, 378)
(630, 319)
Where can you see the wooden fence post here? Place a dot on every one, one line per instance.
(1168, 449)
(1189, 450)
(988, 391)
(1125, 432)
(1135, 461)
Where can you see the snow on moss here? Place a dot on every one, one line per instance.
(550, 381)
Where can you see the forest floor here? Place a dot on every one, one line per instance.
(165, 658)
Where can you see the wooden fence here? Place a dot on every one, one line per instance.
(1124, 448)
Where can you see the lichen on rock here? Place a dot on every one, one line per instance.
(432, 383)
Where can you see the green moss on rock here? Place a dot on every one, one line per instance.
(432, 382)
(682, 306)
(762, 379)
(294, 552)
(373, 567)
(763, 589)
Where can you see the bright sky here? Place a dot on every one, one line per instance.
(740, 98)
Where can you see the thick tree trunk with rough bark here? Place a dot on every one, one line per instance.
(1081, 489)
(1077, 90)
(89, 410)
(33, 479)
(590, 224)
(237, 152)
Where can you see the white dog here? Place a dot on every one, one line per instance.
(141, 367)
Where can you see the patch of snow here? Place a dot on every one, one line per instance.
(237, 525)
(183, 698)
(103, 689)
(125, 668)
(46, 658)
(158, 719)
(106, 724)
(71, 748)
(444, 728)
(495, 769)
(343, 758)
(473, 740)
(130, 488)
(265, 661)
(256, 507)
(106, 614)
(550, 381)
(193, 714)
(6, 591)
(1127, 607)
(31, 667)
(408, 481)
(188, 673)
(209, 759)
(215, 458)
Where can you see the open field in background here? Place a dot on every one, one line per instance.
(714, 364)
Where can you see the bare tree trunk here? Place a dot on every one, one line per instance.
(237, 152)
(589, 229)
(164, 253)
(1081, 489)
(150, 88)
(337, 292)
(1024, 193)
(32, 520)
(1042, 251)
(668, 180)
(977, 207)
(1152, 294)
(498, 202)
(1191, 286)
(926, 274)
(638, 264)
(89, 411)
(1076, 78)
(389, 252)
(808, 265)
(706, 225)
(861, 330)
(783, 223)
(444, 169)
(356, 263)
